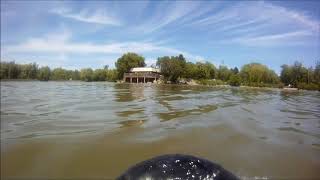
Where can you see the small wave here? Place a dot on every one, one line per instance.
(40, 105)
(13, 113)
(297, 112)
(6, 130)
(46, 113)
(178, 114)
(291, 129)
(128, 113)
(247, 110)
(174, 98)
(38, 135)
(299, 118)
(131, 123)
(228, 104)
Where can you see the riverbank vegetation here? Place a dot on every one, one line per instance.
(11, 70)
(176, 69)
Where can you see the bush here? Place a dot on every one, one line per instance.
(172, 68)
(44, 74)
(86, 74)
(235, 80)
(112, 75)
(310, 86)
(261, 84)
(210, 82)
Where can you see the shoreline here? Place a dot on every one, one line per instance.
(173, 84)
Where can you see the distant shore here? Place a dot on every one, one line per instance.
(172, 84)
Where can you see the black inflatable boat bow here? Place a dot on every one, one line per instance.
(177, 167)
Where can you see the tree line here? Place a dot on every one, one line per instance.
(254, 74)
(11, 70)
(176, 69)
(301, 77)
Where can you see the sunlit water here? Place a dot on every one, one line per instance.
(97, 130)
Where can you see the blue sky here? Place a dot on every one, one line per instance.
(95, 33)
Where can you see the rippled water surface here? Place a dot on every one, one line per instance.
(97, 130)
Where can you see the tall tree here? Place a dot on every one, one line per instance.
(224, 73)
(111, 75)
(204, 70)
(286, 74)
(86, 74)
(258, 74)
(59, 74)
(172, 67)
(75, 75)
(44, 73)
(316, 74)
(128, 61)
(235, 70)
(99, 75)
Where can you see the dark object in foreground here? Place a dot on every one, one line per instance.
(177, 166)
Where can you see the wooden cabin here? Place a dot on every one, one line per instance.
(142, 75)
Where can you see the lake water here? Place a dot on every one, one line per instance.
(99, 129)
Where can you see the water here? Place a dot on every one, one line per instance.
(97, 130)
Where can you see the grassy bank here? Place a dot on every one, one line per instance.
(304, 86)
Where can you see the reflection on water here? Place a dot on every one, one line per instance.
(166, 116)
(100, 129)
(127, 93)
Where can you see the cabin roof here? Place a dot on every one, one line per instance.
(145, 69)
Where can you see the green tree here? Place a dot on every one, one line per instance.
(13, 70)
(295, 74)
(190, 70)
(128, 61)
(299, 73)
(286, 74)
(235, 70)
(111, 75)
(255, 74)
(299, 76)
(224, 73)
(4, 70)
(316, 74)
(172, 67)
(212, 70)
(75, 75)
(44, 73)
(86, 74)
(204, 71)
(235, 80)
(69, 74)
(33, 71)
(99, 75)
(25, 71)
(59, 74)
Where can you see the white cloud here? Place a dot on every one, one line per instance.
(280, 36)
(97, 17)
(260, 23)
(170, 12)
(289, 38)
(61, 44)
(257, 12)
(278, 12)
